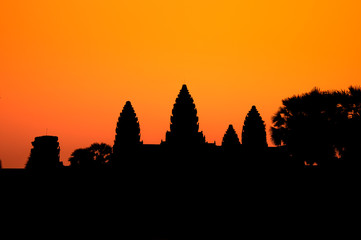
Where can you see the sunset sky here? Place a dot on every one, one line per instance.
(70, 66)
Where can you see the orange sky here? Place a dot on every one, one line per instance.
(70, 66)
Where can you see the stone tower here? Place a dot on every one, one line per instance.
(45, 154)
(184, 127)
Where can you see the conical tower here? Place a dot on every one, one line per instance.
(254, 131)
(184, 127)
(127, 137)
(230, 138)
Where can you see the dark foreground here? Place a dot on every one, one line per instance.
(147, 201)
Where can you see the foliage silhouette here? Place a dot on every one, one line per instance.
(45, 154)
(96, 156)
(127, 138)
(81, 158)
(101, 152)
(184, 127)
(348, 124)
(254, 131)
(230, 138)
(320, 126)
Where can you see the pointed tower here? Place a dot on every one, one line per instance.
(184, 127)
(127, 137)
(254, 131)
(230, 138)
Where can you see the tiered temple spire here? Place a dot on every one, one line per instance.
(254, 131)
(127, 136)
(184, 127)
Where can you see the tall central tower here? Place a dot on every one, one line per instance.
(127, 138)
(184, 127)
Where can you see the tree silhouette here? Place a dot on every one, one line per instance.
(184, 127)
(348, 120)
(230, 138)
(316, 125)
(95, 156)
(82, 158)
(127, 137)
(254, 131)
(101, 153)
(45, 154)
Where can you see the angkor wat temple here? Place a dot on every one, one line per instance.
(185, 145)
(183, 188)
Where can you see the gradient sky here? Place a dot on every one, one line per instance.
(70, 66)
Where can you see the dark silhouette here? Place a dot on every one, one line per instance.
(186, 188)
(348, 123)
(320, 128)
(230, 138)
(96, 156)
(301, 125)
(81, 158)
(184, 127)
(127, 138)
(101, 152)
(45, 154)
(254, 131)
(314, 129)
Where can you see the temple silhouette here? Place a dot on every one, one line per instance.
(185, 147)
(305, 140)
(184, 187)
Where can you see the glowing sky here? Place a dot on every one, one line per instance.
(70, 66)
